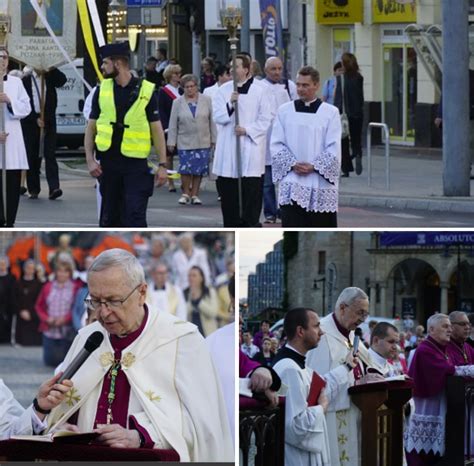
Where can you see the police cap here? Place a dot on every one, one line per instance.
(115, 50)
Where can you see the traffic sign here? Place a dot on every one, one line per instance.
(138, 3)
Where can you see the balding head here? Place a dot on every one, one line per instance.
(274, 69)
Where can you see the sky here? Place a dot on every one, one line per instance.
(253, 245)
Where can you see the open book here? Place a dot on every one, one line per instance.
(60, 436)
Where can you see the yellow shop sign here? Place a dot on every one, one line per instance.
(339, 11)
(392, 11)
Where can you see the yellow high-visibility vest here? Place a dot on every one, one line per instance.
(136, 141)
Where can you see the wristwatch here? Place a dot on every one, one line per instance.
(162, 164)
(38, 409)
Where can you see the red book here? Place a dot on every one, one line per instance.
(317, 384)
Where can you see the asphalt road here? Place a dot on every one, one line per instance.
(77, 209)
(23, 371)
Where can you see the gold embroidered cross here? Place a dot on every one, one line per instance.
(72, 396)
(342, 439)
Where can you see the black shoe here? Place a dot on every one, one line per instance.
(55, 194)
(33, 196)
(23, 190)
(345, 175)
(358, 164)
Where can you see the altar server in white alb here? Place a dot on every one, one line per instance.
(151, 383)
(255, 116)
(306, 433)
(16, 105)
(306, 156)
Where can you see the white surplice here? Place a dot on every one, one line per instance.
(20, 108)
(175, 390)
(343, 417)
(14, 419)
(306, 437)
(279, 97)
(307, 137)
(170, 300)
(255, 115)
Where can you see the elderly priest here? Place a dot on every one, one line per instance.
(151, 383)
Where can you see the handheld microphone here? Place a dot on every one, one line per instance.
(357, 337)
(92, 343)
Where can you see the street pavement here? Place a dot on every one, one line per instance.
(23, 371)
(415, 198)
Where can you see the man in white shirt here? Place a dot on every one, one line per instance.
(222, 75)
(247, 346)
(273, 77)
(384, 342)
(306, 156)
(15, 420)
(255, 116)
(163, 296)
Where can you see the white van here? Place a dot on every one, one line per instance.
(70, 121)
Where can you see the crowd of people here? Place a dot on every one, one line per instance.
(308, 346)
(150, 365)
(185, 279)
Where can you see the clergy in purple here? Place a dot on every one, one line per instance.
(460, 352)
(430, 368)
(151, 383)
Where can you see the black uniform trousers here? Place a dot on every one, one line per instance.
(125, 186)
(252, 198)
(293, 215)
(13, 197)
(31, 133)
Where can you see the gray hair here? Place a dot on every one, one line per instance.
(435, 319)
(111, 258)
(189, 78)
(349, 295)
(455, 315)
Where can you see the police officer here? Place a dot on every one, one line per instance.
(123, 121)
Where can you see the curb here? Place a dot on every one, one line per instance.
(455, 205)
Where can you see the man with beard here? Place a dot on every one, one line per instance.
(123, 121)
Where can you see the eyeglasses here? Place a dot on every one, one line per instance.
(112, 304)
(462, 324)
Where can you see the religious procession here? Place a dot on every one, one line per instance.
(143, 325)
(372, 363)
(233, 114)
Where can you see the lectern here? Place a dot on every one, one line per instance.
(381, 405)
(24, 450)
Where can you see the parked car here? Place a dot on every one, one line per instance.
(70, 121)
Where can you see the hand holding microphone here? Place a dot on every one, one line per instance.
(351, 359)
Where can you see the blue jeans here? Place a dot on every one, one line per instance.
(54, 351)
(270, 207)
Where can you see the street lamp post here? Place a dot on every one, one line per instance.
(114, 6)
(316, 287)
(4, 29)
(231, 18)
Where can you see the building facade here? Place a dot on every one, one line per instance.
(265, 286)
(411, 274)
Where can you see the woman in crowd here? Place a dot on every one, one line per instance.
(8, 297)
(207, 77)
(265, 356)
(193, 131)
(201, 302)
(54, 308)
(27, 323)
(353, 106)
(166, 95)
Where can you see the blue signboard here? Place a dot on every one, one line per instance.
(427, 238)
(272, 29)
(144, 3)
